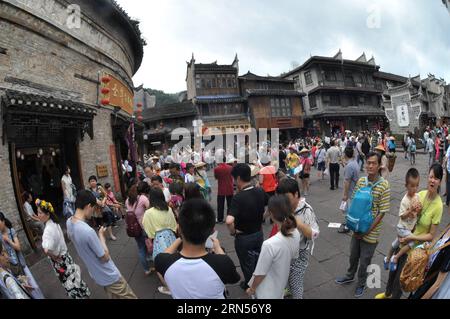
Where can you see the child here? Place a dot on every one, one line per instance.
(410, 209)
(304, 175)
(176, 198)
(112, 202)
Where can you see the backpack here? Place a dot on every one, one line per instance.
(359, 217)
(392, 145)
(134, 229)
(414, 271)
(413, 147)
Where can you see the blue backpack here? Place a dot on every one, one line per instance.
(413, 147)
(359, 216)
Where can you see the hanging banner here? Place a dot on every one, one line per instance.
(115, 170)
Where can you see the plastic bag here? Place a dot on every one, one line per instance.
(327, 172)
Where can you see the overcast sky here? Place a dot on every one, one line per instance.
(407, 37)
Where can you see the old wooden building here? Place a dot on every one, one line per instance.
(214, 89)
(161, 121)
(273, 103)
(341, 94)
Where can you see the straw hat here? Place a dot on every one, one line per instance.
(155, 158)
(254, 170)
(320, 145)
(200, 164)
(392, 138)
(231, 160)
(304, 150)
(380, 148)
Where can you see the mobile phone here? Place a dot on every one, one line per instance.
(209, 242)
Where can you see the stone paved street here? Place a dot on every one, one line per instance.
(330, 253)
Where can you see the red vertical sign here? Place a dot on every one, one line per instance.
(115, 171)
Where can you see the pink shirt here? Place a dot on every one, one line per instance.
(142, 205)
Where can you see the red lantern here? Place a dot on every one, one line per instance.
(105, 101)
(105, 91)
(140, 118)
(106, 79)
(139, 105)
(139, 111)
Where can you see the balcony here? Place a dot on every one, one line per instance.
(351, 85)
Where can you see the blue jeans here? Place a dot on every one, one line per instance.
(142, 248)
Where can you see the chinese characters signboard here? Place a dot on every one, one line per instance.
(119, 95)
(402, 104)
(102, 170)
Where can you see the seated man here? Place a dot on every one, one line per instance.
(32, 219)
(193, 273)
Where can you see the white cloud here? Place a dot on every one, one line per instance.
(268, 35)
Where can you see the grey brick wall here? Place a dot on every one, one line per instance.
(42, 58)
(96, 151)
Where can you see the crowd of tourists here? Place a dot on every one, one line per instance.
(168, 212)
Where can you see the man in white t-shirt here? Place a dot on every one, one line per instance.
(193, 272)
(157, 182)
(31, 218)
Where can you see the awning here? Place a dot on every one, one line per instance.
(28, 116)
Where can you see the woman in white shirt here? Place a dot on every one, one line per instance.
(272, 271)
(55, 248)
(69, 190)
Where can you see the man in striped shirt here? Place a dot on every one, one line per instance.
(362, 246)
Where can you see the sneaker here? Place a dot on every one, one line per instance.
(383, 296)
(165, 291)
(360, 291)
(344, 280)
(331, 188)
(343, 229)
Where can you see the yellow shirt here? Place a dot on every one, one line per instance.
(156, 220)
(293, 160)
(431, 214)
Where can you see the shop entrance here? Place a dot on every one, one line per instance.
(38, 169)
(43, 134)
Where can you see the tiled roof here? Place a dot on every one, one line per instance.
(251, 76)
(214, 67)
(395, 77)
(183, 109)
(333, 60)
(40, 103)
